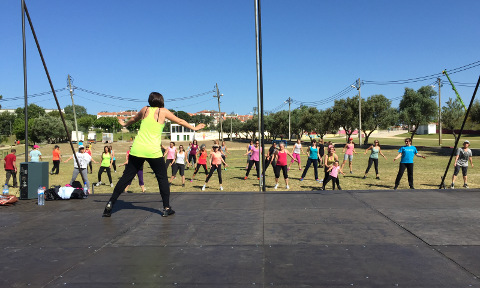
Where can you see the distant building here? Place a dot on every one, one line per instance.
(180, 133)
(216, 116)
(123, 115)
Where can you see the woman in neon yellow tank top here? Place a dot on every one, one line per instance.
(147, 147)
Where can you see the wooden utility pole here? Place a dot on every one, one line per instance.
(219, 112)
(439, 112)
(73, 105)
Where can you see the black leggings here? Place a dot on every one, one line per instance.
(284, 169)
(114, 165)
(370, 161)
(267, 163)
(334, 181)
(108, 173)
(192, 159)
(90, 165)
(257, 166)
(198, 167)
(56, 166)
(219, 171)
(315, 167)
(134, 165)
(401, 169)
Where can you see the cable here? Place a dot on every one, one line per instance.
(33, 95)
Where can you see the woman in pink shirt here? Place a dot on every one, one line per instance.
(254, 159)
(171, 151)
(216, 161)
(281, 158)
(349, 149)
(334, 170)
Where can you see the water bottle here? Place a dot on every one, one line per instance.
(5, 190)
(41, 195)
(85, 190)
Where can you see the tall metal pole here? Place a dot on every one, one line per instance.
(231, 129)
(439, 112)
(359, 112)
(258, 42)
(73, 105)
(289, 121)
(25, 79)
(219, 112)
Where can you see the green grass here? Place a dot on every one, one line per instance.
(427, 172)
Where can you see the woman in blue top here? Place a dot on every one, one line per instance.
(407, 153)
(312, 152)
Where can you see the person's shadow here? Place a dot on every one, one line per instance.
(120, 205)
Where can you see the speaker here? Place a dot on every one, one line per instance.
(32, 175)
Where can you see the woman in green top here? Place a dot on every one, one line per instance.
(105, 166)
(147, 147)
(373, 157)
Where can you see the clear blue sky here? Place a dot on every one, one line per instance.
(312, 49)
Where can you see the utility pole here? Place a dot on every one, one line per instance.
(231, 128)
(359, 84)
(439, 112)
(219, 113)
(73, 105)
(289, 100)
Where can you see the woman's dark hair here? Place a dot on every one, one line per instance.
(155, 99)
(56, 146)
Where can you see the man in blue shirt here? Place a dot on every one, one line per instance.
(407, 153)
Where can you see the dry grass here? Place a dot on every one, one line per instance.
(427, 172)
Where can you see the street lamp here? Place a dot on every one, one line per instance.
(359, 84)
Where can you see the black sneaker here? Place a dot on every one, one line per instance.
(108, 210)
(183, 185)
(364, 177)
(378, 178)
(395, 188)
(411, 187)
(465, 185)
(167, 211)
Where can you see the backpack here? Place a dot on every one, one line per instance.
(77, 184)
(52, 193)
(77, 194)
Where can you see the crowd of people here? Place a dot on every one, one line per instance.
(147, 147)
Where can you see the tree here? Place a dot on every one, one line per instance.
(1, 97)
(85, 122)
(7, 121)
(228, 123)
(377, 113)
(109, 123)
(250, 127)
(452, 115)
(79, 110)
(345, 114)
(418, 107)
(277, 124)
(295, 118)
(326, 123)
(475, 112)
(197, 119)
(48, 129)
(33, 110)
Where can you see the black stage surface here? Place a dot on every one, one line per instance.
(409, 238)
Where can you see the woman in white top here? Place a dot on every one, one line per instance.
(180, 160)
(297, 149)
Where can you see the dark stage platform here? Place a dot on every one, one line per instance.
(409, 238)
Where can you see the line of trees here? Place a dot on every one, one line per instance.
(416, 108)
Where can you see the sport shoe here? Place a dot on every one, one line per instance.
(465, 185)
(276, 186)
(191, 180)
(320, 180)
(203, 188)
(378, 178)
(108, 210)
(183, 185)
(288, 187)
(301, 179)
(364, 177)
(111, 184)
(98, 183)
(351, 172)
(395, 188)
(452, 186)
(245, 178)
(167, 211)
(221, 188)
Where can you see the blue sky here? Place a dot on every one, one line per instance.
(312, 50)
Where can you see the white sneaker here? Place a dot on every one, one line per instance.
(111, 184)
(221, 188)
(288, 187)
(98, 184)
(276, 186)
(203, 188)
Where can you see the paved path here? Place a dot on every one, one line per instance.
(410, 238)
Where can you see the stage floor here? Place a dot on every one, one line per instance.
(403, 238)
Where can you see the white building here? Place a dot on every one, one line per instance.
(180, 133)
(427, 129)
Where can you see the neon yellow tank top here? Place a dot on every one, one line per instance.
(148, 142)
(330, 160)
(105, 160)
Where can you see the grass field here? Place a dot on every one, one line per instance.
(427, 172)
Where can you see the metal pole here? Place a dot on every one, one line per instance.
(231, 129)
(439, 112)
(359, 112)
(25, 80)
(258, 36)
(442, 185)
(73, 105)
(219, 112)
(289, 121)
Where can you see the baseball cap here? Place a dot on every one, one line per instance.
(36, 146)
(466, 141)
